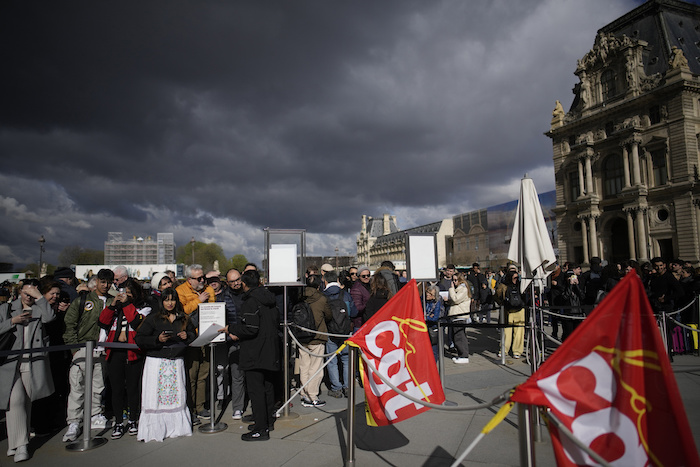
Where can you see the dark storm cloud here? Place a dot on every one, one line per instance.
(216, 119)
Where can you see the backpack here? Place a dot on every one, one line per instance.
(594, 284)
(340, 322)
(513, 300)
(304, 317)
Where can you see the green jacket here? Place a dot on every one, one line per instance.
(87, 328)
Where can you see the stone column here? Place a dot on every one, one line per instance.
(630, 233)
(581, 185)
(641, 235)
(589, 176)
(594, 236)
(584, 233)
(635, 162)
(626, 165)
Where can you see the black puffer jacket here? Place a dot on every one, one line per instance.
(258, 331)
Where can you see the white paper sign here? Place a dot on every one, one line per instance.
(422, 257)
(208, 335)
(283, 264)
(212, 313)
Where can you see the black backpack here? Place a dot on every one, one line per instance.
(340, 322)
(514, 301)
(594, 285)
(304, 317)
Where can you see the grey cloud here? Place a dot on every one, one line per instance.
(174, 116)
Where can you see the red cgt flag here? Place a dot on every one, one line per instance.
(396, 341)
(611, 384)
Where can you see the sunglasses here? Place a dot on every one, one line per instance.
(353, 273)
(364, 275)
(198, 279)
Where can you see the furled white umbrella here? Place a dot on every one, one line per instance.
(530, 245)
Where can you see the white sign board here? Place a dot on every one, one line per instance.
(283, 263)
(212, 313)
(421, 257)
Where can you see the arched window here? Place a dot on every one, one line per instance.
(608, 81)
(613, 175)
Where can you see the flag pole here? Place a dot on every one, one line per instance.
(352, 368)
(527, 447)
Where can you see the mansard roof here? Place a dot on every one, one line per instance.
(375, 226)
(399, 235)
(662, 24)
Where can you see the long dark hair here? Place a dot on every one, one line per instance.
(136, 290)
(171, 294)
(377, 283)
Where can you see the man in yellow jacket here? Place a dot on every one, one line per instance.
(192, 292)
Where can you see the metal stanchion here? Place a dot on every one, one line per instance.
(352, 369)
(212, 427)
(664, 331)
(503, 321)
(286, 414)
(441, 352)
(87, 442)
(527, 447)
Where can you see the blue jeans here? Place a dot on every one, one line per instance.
(333, 373)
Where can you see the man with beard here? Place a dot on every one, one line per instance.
(232, 295)
(260, 356)
(192, 292)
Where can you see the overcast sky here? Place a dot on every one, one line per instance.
(216, 119)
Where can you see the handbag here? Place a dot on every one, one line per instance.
(433, 333)
(8, 338)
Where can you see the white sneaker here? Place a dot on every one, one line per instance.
(22, 454)
(72, 433)
(98, 422)
(460, 359)
(237, 415)
(11, 452)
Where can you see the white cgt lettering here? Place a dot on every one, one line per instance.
(388, 360)
(590, 426)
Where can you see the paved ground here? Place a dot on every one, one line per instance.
(318, 436)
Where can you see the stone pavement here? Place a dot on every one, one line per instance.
(318, 436)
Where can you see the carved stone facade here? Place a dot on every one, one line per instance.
(392, 247)
(626, 154)
(372, 228)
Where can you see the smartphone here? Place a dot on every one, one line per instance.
(168, 333)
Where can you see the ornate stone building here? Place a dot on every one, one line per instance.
(392, 247)
(371, 229)
(626, 153)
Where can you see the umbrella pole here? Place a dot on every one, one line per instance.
(534, 350)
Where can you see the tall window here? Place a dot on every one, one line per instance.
(574, 187)
(608, 82)
(613, 175)
(658, 160)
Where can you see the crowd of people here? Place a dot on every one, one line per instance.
(149, 383)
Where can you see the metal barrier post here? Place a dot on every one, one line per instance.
(212, 427)
(285, 358)
(664, 331)
(441, 352)
(527, 447)
(352, 369)
(87, 442)
(502, 320)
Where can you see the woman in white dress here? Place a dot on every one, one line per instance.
(164, 336)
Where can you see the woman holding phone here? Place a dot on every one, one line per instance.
(120, 320)
(460, 305)
(27, 377)
(164, 336)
